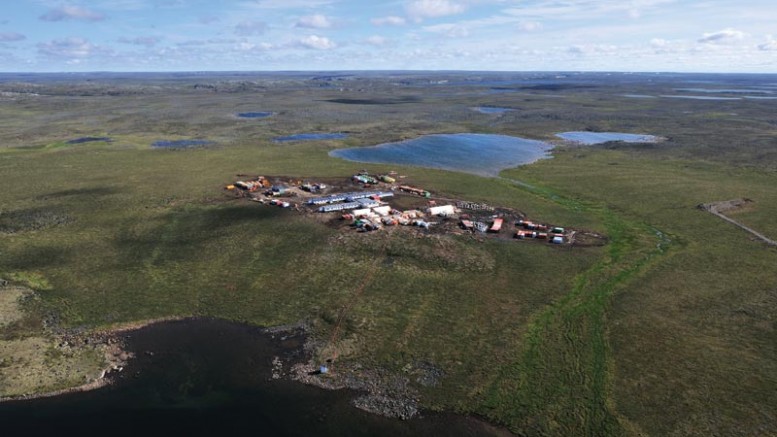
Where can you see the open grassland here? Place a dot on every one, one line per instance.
(696, 332)
(669, 329)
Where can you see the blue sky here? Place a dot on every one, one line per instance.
(516, 35)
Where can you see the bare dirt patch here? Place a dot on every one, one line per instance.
(10, 310)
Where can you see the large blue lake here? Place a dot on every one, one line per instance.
(590, 138)
(480, 154)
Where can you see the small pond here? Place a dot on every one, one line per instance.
(180, 144)
(589, 138)
(254, 114)
(310, 137)
(480, 154)
(89, 140)
(491, 109)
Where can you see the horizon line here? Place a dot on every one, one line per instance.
(386, 71)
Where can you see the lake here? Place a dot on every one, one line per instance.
(254, 114)
(480, 154)
(491, 109)
(590, 138)
(83, 140)
(310, 137)
(212, 377)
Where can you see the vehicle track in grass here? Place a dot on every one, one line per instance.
(717, 209)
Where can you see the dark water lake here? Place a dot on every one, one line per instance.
(180, 144)
(480, 154)
(83, 140)
(310, 137)
(254, 114)
(491, 109)
(590, 138)
(211, 377)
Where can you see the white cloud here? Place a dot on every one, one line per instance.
(529, 26)
(70, 12)
(208, 42)
(770, 44)
(72, 48)
(148, 41)
(449, 30)
(11, 37)
(285, 4)
(722, 37)
(316, 21)
(317, 42)
(658, 42)
(420, 9)
(249, 27)
(377, 40)
(391, 20)
(591, 49)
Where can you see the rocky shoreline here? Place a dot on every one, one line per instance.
(382, 392)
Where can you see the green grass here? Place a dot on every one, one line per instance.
(714, 293)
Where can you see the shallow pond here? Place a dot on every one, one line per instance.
(589, 138)
(254, 114)
(211, 377)
(491, 109)
(179, 144)
(480, 154)
(310, 137)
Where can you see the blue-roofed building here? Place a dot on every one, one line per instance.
(339, 207)
(327, 199)
(367, 194)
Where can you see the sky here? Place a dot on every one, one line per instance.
(504, 35)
